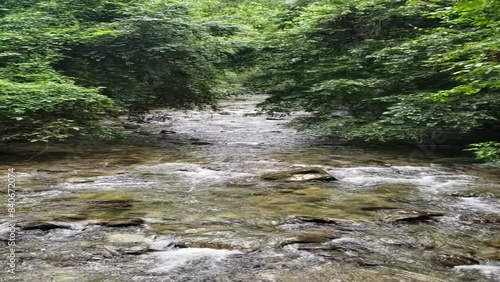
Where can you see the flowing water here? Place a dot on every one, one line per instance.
(192, 206)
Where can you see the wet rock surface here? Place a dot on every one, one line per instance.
(43, 225)
(408, 216)
(192, 205)
(451, 260)
(122, 222)
(303, 174)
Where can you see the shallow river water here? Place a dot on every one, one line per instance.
(191, 205)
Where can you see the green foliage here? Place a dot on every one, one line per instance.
(375, 70)
(241, 28)
(65, 64)
(486, 151)
(36, 102)
(386, 70)
(153, 56)
(104, 133)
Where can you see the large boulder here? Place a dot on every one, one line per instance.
(300, 175)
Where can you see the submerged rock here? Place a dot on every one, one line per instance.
(70, 217)
(131, 126)
(494, 242)
(309, 238)
(472, 194)
(309, 219)
(135, 250)
(80, 180)
(43, 225)
(338, 249)
(167, 132)
(451, 260)
(122, 222)
(201, 143)
(488, 253)
(127, 238)
(206, 245)
(405, 216)
(487, 219)
(377, 208)
(303, 174)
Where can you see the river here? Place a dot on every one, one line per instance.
(191, 205)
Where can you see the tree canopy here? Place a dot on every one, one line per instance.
(387, 70)
(372, 70)
(65, 64)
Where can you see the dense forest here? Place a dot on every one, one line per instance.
(384, 71)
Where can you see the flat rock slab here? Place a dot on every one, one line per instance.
(452, 260)
(300, 175)
(127, 238)
(409, 216)
(122, 222)
(309, 219)
(43, 225)
(309, 238)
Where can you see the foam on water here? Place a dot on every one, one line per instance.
(169, 260)
(118, 182)
(425, 178)
(479, 204)
(192, 173)
(490, 271)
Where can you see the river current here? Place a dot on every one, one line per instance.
(190, 204)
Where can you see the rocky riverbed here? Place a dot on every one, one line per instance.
(232, 196)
